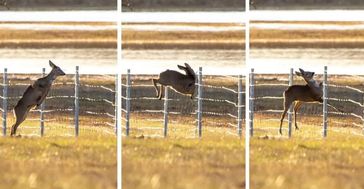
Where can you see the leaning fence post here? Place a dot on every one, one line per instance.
(116, 104)
(42, 111)
(199, 103)
(77, 105)
(240, 105)
(251, 102)
(325, 95)
(127, 104)
(290, 83)
(165, 112)
(5, 99)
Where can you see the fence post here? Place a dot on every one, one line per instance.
(290, 83)
(42, 111)
(5, 99)
(127, 104)
(77, 105)
(325, 95)
(165, 112)
(251, 102)
(240, 105)
(199, 103)
(116, 103)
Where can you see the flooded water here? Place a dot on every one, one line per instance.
(59, 16)
(215, 62)
(174, 27)
(308, 26)
(90, 61)
(46, 26)
(308, 15)
(339, 61)
(196, 17)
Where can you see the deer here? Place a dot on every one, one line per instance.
(182, 83)
(34, 96)
(298, 94)
(4, 3)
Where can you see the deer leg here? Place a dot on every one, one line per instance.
(161, 92)
(286, 107)
(193, 94)
(155, 81)
(296, 108)
(20, 115)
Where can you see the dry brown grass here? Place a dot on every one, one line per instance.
(271, 38)
(14, 38)
(306, 160)
(214, 162)
(184, 39)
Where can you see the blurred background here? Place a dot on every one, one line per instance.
(306, 4)
(34, 5)
(186, 5)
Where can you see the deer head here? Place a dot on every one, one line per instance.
(315, 86)
(56, 71)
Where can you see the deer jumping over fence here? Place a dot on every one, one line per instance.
(182, 83)
(34, 95)
(311, 92)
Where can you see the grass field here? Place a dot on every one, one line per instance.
(55, 161)
(294, 38)
(214, 162)
(307, 162)
(59, 159)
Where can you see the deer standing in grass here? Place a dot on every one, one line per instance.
(34, 95)
(311, 92)
(182, 83)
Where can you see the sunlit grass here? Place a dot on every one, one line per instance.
(58, 160)
(182, 160)
(306, 160)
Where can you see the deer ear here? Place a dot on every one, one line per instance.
(181, 67)
(51, 64)
(298, 73)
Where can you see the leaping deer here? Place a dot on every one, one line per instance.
(34, 95)
(311, 92)
(184, 84)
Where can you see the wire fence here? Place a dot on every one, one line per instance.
(75, 103)
(217, 107)
(341, 111)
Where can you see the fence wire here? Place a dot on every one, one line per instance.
(345, 106)
(96, 105)
(219, 110)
